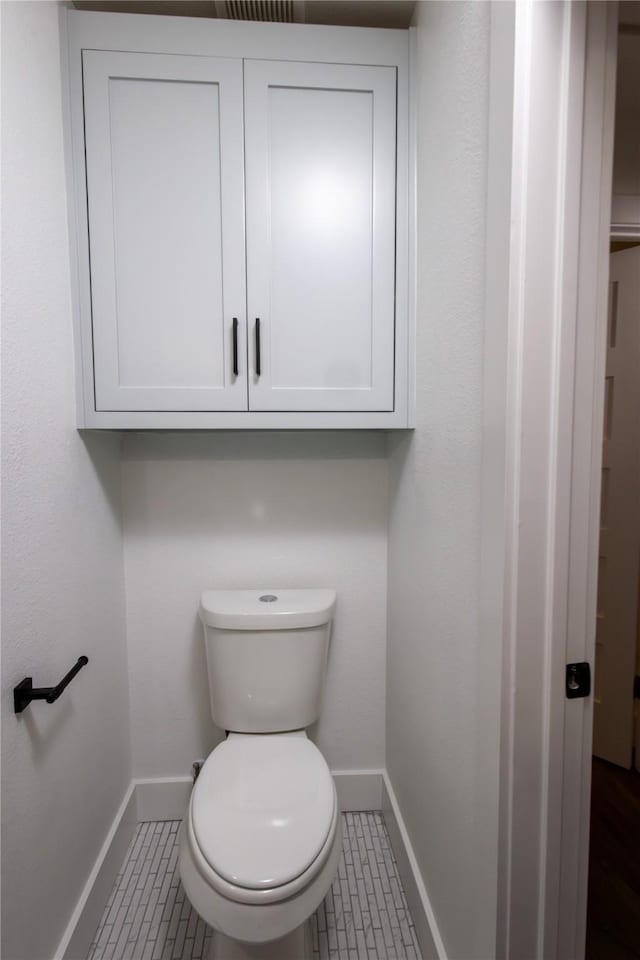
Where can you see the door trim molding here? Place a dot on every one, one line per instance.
(562, 160)
(625, 231)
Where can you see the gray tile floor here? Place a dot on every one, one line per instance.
(364, 916)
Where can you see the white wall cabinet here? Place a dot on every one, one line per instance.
(241, 224)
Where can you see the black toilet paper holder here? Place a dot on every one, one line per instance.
(25, 692)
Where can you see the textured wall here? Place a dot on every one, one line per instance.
(218, 510)
(65, 767)
(438, 751)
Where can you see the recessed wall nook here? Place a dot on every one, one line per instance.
(244, 328)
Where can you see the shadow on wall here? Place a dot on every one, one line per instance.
(398, 448)
(248, 486)
(198, 683)
(43, 729)
(254, 445)
(103, 450)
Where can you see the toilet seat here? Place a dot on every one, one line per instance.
(262, 817)
(262, 809)
(257, 916)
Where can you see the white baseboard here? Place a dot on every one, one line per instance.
(419, 904)
(165, 799)
(358, 789)
(85, 918)
(168, 798)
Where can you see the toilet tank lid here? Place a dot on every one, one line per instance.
(266, 609)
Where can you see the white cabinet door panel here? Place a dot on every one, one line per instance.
(164, 158)
(320, 143)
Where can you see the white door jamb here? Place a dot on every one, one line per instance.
(564, 89)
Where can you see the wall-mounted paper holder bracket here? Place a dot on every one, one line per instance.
(25, 692)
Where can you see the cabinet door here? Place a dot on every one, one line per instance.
(164, 158)
(320, 142)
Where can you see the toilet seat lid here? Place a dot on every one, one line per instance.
(262, 809)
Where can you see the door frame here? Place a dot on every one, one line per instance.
(564, 102)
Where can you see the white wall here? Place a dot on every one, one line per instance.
(65, 767)
(271, 509)
(442, 729)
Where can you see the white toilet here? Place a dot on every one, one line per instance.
(260, 845)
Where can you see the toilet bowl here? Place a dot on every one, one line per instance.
(260, 845)
(262, 838)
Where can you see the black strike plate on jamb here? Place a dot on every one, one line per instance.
(577, 680)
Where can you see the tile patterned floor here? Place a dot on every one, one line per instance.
(364, 916)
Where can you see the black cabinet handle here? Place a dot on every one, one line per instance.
(235, 346)
(258, 367)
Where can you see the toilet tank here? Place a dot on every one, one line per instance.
(266, 656)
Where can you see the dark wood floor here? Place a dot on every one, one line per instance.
(613, 924)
